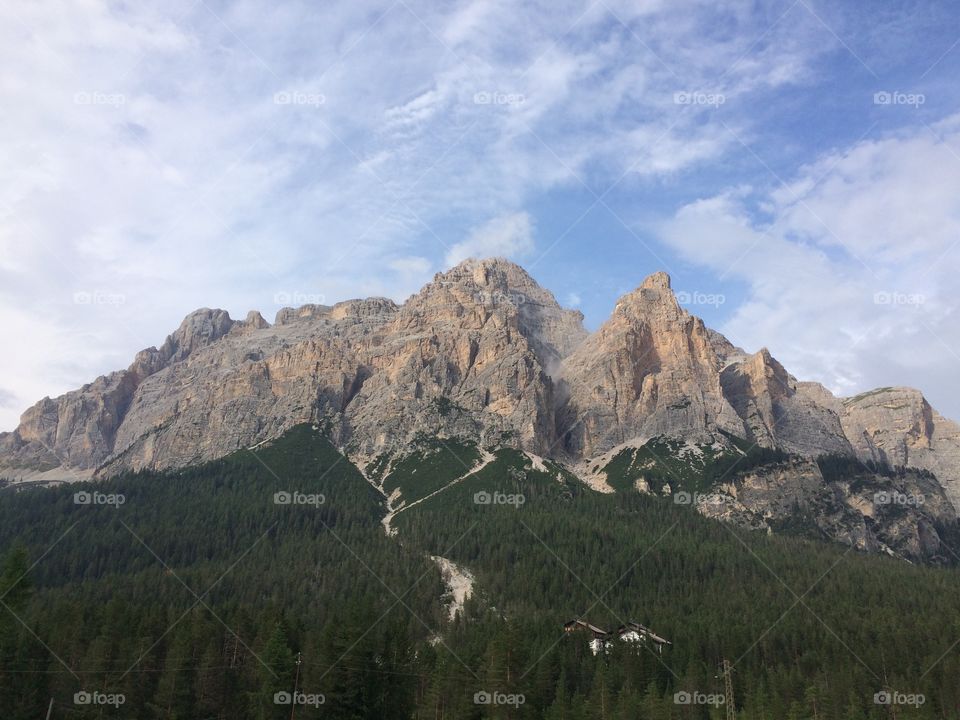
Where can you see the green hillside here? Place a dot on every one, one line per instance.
(194, 596)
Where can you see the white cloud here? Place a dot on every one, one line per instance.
(144, 155)
(852, 278)
(507, 236)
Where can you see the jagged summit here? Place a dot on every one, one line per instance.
(653, 297)
(255, 320)
(657, 281)
(481, 352)
(487, 271)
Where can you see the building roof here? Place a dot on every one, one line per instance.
(641, 630)
(583, 624)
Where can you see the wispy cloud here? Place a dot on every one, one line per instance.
(505, 236)
(159, 157)
(850, 265)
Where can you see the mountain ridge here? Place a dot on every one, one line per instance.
(481, 352)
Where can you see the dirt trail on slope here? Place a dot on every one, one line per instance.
(485, 459)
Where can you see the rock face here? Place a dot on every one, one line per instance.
(653, 369)
(898, 515)
(650, 370)
(468, 355)
(898, 426)
(778, 411)
(483, 353)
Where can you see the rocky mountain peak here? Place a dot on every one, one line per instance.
(653, 301)
(199, 329)
(488, 272)
(255, 320)
(766, 369)
(657, 281)
(897, 425)
(497, 293)
(482, 352)
(375, 307)
(651, 369)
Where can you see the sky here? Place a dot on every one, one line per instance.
(795, 167)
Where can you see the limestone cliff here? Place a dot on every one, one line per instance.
(898, 426)
(483, 353)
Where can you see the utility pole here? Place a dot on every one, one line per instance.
(728, 700)
(296, 686)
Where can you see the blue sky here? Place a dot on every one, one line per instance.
(795, 166)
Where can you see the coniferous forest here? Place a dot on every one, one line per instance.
(264, 586)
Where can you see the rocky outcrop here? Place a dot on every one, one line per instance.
(81, 427)
(897, 426)
(482, 352)
(655, 370)
(469, 355)
(650, 370)
(897, 514)
(778, 411)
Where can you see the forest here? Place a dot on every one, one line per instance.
(263, 585)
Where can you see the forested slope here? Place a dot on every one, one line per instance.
(194, 597)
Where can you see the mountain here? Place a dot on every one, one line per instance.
(468, 355)
(485, 356)
(397, 510)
